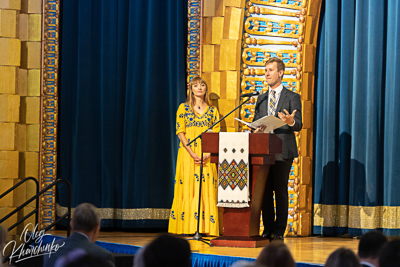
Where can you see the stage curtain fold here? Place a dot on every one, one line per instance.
(122, 77)
(357, 118)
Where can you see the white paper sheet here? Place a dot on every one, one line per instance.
(270, 121)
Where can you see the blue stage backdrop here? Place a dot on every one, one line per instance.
(357, 159)
(122, 77)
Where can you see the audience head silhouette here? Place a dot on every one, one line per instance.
(246, 264)
(390, 254)
(86, 219)
(166, 250)
(342, 257)
(276, 254)
(369, 247)
(79, 257)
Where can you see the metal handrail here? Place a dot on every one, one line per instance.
(38, 194)
(23, 205)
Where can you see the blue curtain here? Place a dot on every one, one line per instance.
(357, 118)
(122, 77)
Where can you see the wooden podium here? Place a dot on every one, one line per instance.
(242, 225)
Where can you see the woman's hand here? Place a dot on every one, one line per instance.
(206, 157)
(196, 158)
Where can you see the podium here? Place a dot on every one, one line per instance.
(242, 225)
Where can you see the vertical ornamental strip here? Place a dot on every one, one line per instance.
(194, 38)
(49, 104)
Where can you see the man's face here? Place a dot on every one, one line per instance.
(272, 75)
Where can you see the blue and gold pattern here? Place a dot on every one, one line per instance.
(194, 46)
(48, 149)
(212, 219)
(278, 28)
(258, 56)
(206, 119)
(292, 4)
(191, 124)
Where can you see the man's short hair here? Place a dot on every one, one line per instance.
(390, 254)
(370, 244)
(279, 63)
(85, 218)
(165, 250)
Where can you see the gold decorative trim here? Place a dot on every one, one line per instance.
(261, 72)
(194, 39)
(49, 112)
(270, 27)
(357, 216)
(266, 11)
(258, 56)
(283, 3)
(250, 84)
(125, 214)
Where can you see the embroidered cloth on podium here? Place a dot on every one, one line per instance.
(233, 170)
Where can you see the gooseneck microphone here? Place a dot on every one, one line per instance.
(251, 94)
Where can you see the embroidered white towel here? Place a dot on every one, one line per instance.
(233, 170)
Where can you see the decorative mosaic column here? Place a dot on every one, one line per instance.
(288, 30)
(49, 109)
(238, 38)
(194, 39)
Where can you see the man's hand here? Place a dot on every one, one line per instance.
(287, 118)
(260, 129)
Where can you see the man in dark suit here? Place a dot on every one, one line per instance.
(85, 226)
(285, 104)
(369, 248)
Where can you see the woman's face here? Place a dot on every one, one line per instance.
(199, 89)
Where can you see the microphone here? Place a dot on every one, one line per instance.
(251, 94)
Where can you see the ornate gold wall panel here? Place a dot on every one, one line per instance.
(194, 39)
(234, 65)
(49, 111)
(285, 29)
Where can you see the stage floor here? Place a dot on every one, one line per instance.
(304, 249)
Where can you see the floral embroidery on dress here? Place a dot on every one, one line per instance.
(206, 119)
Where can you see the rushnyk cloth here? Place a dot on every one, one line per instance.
(233, 170)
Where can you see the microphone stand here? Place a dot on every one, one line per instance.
(197, 236)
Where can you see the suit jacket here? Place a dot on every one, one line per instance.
(76, 241)
(289, 101)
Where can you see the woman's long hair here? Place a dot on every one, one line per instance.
(190, 97)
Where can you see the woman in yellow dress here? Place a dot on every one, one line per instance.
(192, 118)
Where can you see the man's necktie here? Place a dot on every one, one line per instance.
(272, 103)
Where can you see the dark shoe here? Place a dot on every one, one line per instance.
(268, 234)
(278, 237)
